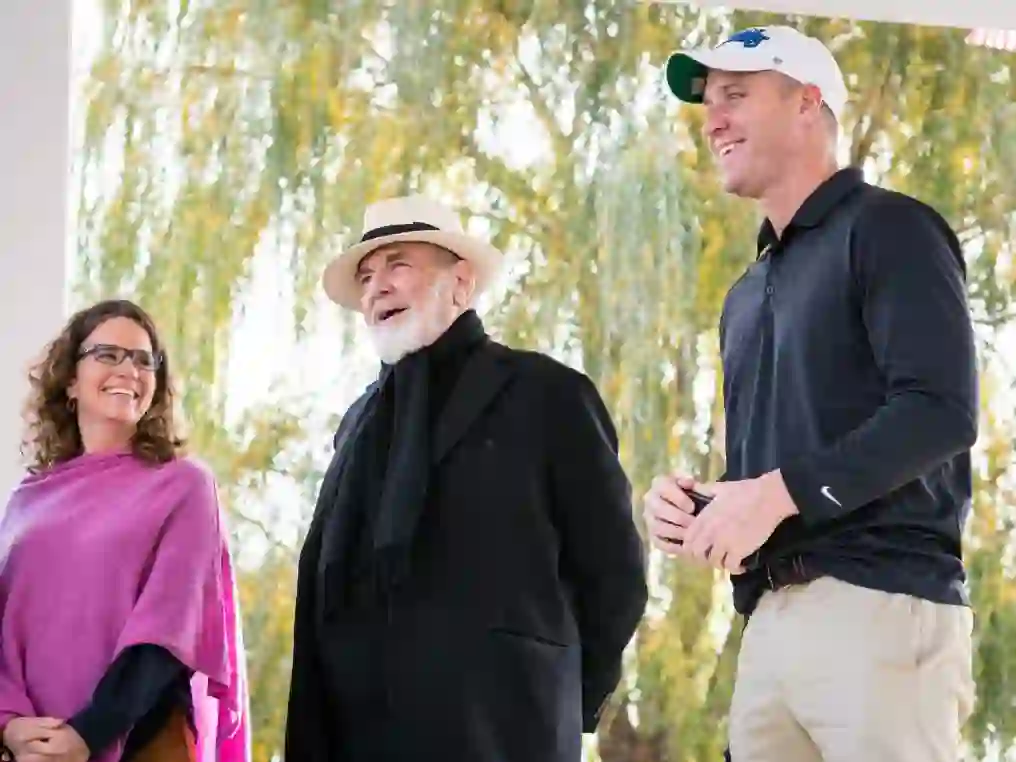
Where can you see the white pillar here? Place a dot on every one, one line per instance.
(35, 72)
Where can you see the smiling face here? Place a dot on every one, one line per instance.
(115, 378)
(756, 123)
(411, 293)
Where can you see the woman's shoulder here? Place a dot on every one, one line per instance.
(188, 467)
(191, 476)
(194, 490)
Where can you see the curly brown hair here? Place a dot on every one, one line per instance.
(51, 426)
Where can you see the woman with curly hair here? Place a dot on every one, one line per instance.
(119, 636)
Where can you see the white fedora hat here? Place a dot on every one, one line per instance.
(408, 218)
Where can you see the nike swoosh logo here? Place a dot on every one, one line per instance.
(829, 496)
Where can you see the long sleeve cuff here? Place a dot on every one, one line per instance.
(129, 690)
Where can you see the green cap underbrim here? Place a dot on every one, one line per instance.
(686, 77)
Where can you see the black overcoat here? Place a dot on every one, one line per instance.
(527, 581)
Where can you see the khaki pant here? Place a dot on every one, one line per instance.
(832, 672)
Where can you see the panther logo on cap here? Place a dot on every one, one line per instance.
(749, 38)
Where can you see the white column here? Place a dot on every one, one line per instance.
(35, 71)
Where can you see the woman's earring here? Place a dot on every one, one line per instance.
(72, 404)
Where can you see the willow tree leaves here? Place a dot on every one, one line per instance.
(221, 132)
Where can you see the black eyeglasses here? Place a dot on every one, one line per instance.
(111, 354)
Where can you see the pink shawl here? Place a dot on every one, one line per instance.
(105, 552)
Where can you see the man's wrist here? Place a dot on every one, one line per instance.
(778, 496)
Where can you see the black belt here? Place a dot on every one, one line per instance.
(787, 572)
(780, 573)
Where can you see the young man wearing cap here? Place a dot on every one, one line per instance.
(473, 571)
(850, 391)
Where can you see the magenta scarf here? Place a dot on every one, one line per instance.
(104, 552)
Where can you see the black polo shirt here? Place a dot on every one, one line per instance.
(849, 364)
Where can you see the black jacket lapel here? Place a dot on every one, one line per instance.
(313, 552)
(343, 439)
(483, 377)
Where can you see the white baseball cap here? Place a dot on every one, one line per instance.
(770, 48)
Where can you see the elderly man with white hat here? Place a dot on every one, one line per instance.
(473, 572)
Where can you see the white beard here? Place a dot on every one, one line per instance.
(417, 328)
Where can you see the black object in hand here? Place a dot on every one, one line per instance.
(700, 500)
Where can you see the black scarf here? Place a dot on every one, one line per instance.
(383, 486)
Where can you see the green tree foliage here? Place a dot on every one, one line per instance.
(217, 131)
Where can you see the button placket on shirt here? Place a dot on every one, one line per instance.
(766, 256)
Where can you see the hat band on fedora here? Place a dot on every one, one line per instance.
(387, 230)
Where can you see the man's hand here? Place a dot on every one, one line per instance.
(742, 516)
(64, 745)
(668, 512)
